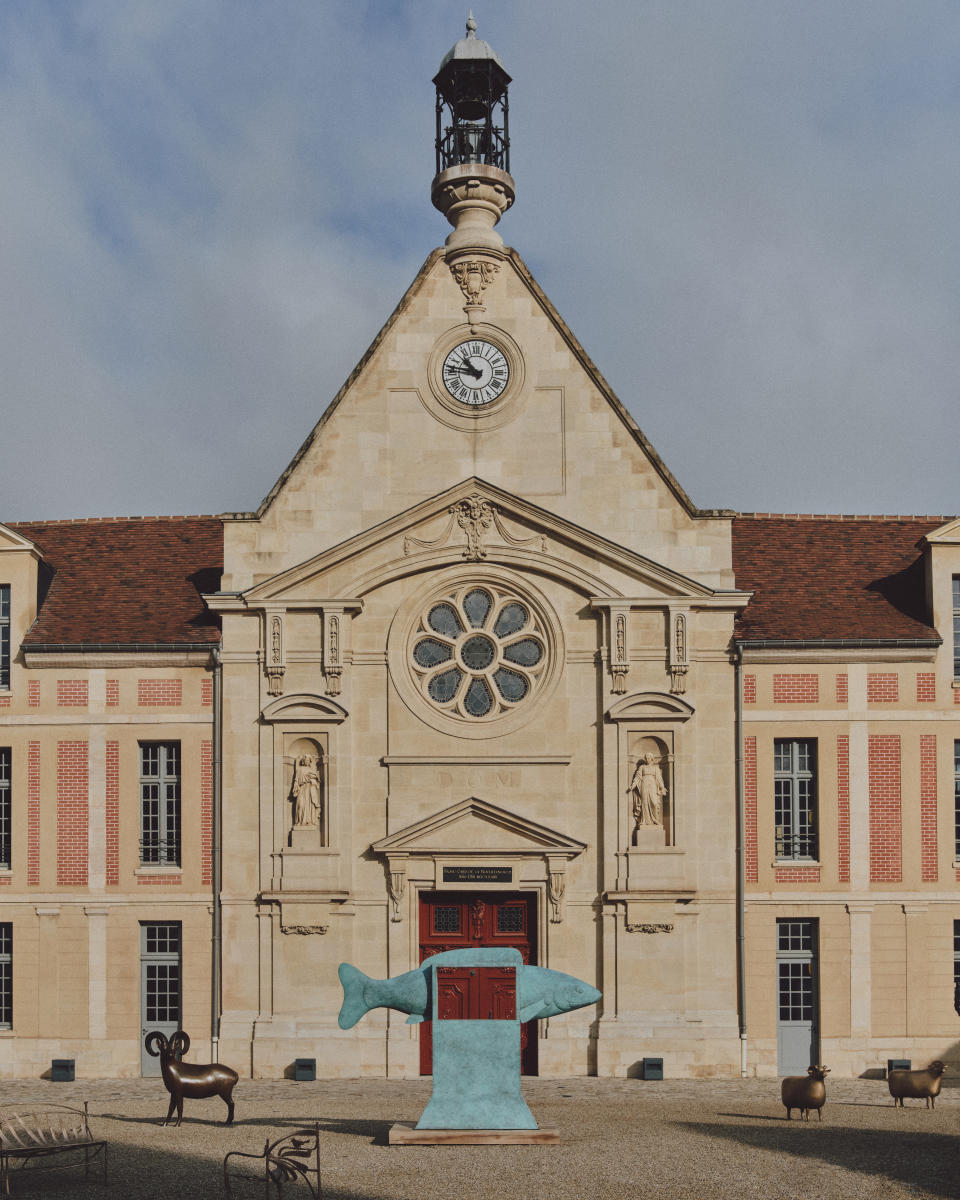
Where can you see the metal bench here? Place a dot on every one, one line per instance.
(31, 1136)
(292, 1159)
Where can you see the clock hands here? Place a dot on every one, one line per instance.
(466, 366)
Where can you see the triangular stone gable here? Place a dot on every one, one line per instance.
(946, 535)
(563, 441)
(429, 534)
(10, 540)
(473, 826)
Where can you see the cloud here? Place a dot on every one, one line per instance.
(745, 212)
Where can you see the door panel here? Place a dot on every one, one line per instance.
(459, 920)
(798, 1040)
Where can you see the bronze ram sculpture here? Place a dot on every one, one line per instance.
(916, 1085)
(805, 1092)
(186, 1081)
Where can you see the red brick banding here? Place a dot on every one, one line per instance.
(73, 813)
(162, 880)
(843, 808)
(159, 693)
(113, 693)
(842, 691)
(749, 689)
(113, 814)
(750, 807)
(928, 807)
(33, 814)
(33, 693)
(206, 811)
(885, 829)
(72, 693)
(883, 688)
(206, 692)
(798, 874)
(796, 689)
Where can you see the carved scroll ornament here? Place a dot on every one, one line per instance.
(275, 653)
(475, 516)
(649, 927)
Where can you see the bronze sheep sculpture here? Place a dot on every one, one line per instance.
(186, 1081)
(805, 1092)
(916, 1085)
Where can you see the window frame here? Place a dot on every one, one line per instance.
(6, 807)
(6, 974)
(161, 829)
(789, 784)
(4, 637)
(956, 799)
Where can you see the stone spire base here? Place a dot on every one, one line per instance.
(473, 197)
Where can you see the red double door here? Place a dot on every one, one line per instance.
(459, 920)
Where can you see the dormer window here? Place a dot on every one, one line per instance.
(4, 636)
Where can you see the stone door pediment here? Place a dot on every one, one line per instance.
(477, 827)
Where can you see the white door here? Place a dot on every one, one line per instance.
(798, 1035)
(160, 985)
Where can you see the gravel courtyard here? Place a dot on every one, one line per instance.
(624, 1139)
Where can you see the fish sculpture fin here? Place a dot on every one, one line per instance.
(531, 1010)
(354, 1005)
(414, 1019)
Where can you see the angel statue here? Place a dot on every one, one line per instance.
(648, 790)
(305, 791)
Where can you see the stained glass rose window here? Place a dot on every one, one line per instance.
(478, 652)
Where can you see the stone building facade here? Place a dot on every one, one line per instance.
(477, 671)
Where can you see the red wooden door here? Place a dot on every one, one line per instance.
(476, 994)
(459, 920)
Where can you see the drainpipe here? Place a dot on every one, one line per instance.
(215, 852)
(741, 863)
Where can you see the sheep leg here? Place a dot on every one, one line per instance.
(789, 1111)
(169, 1117)
(819, 1114)
(179, 1110)
(228, 1101)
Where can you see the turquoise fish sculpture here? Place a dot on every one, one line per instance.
(476, 1061)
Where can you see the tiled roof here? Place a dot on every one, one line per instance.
(832, 577)
(126, 580)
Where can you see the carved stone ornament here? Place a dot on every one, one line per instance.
(473, 276)
(649, 927)
(619, 658)
(275, 655)
(332, 655)
(556, 886)
(475, 516)
(679, 660)
(396, 882)
(304, 929)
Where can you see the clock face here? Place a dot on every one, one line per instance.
(475, 372)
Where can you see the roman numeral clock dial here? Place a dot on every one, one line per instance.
(475, 372)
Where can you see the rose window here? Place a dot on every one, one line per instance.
(478, 652)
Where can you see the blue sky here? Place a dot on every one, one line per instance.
(746, 211)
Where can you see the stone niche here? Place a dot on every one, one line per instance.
(304, 780)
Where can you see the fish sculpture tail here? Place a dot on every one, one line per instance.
(354, 1004)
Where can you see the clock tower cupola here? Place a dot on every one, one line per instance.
(473, 187)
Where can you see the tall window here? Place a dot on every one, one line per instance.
(6, 975)
(795, 797)
(956, 626)
(5, 814)
(956, 799)
(160, 803)
(956, 966)
(5, 634)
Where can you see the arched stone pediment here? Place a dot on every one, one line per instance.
(303, 706)
(646, 706)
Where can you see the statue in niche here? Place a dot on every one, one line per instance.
(305, 792)
(648, 789)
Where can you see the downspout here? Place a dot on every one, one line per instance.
(217, 947)
(741, 863)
